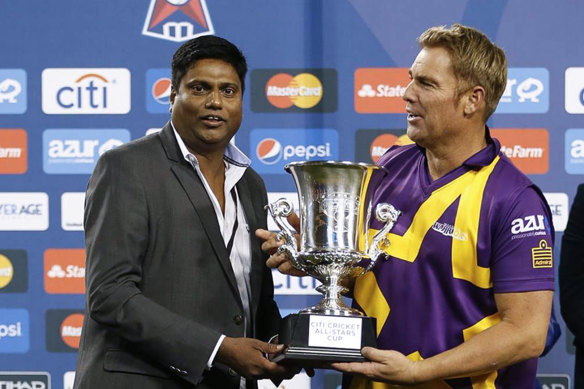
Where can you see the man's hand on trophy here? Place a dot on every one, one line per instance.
(271, 244)
(247, 357)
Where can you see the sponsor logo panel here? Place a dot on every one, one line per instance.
(274, 148)
(574, 90)
(63, 329)
(64, 271)
(77, 91)
(13, 271)
(25, 380)
(299, 381)
(76, 151)
(68, 379)
(370, 145)
(559, 204)
(380, 90)
(574, 151)
(24, 211)
(158, 90)
(13, 98)
(527, 91)
(527, 148)
(177, 20)
(13, 151)
(554, 381)
(542, 255)
(72, 206)
(14, 331)
(294, 90)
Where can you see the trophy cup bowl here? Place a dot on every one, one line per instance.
(335, 200)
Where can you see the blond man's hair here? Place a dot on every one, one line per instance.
(475, 60)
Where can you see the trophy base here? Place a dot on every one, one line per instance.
(314, 340)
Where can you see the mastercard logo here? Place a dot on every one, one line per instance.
(161, 90)
(71, 330)
(269, 151)
(384, 141)
(304, 90)
(6, 271)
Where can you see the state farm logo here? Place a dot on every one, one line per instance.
(527, 148)
(24, 211)
(13, 151)
(303, 90)
(25, 380)
(380, 90)
(65, 271)
(294, 90)
(86, 91)
(13, 271)
(63, 329)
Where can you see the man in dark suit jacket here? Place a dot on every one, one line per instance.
(571, 274)
(177, 287)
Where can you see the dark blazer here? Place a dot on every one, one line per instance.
(160, 286)
(571, 275)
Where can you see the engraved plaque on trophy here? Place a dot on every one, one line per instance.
(335, 200)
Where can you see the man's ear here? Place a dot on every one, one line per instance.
(475, 100)
(172, 96)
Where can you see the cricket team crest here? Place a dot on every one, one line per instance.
(177, 20)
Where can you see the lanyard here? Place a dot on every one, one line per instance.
(230, 244)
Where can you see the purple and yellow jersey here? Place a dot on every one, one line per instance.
(481, 229)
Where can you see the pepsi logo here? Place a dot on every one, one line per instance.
(269, 151)
(161, 90)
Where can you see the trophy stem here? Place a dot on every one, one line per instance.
(332, 302)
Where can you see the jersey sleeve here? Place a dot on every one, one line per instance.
(523, 257)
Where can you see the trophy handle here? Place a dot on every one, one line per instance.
(280, 210)
(384, 213)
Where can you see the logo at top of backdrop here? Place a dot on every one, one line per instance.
(177, 20)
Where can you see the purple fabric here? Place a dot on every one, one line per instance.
(429, 307)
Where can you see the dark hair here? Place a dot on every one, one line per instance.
(204, 47)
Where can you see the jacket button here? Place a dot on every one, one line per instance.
(238, 319)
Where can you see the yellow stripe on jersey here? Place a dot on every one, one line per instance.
(370, 298)
(469, 188)
(485, 381)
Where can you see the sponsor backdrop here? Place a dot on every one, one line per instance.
(325, 82)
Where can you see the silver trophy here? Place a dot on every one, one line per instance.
(335, 201)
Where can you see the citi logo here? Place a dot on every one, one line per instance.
(574, 90)
(528, 224)
(270, 151)
(86, 91)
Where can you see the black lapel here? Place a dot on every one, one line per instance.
(199, 198)
(257, 264)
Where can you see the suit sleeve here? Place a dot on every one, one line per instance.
(571, 270)
(117, 240)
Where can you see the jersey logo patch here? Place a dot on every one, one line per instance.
(542, 255)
